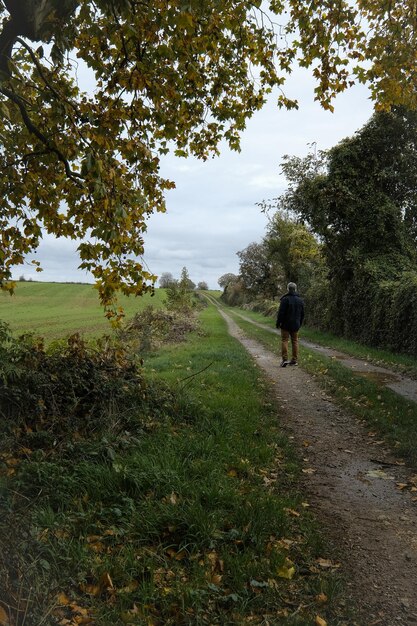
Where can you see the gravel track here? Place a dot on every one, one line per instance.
(353, 484)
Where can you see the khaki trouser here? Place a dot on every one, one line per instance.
(285, 335)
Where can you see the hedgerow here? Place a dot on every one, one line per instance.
(374, 311)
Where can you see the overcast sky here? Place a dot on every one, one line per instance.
(212, 213)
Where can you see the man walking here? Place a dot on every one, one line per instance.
(289, 320)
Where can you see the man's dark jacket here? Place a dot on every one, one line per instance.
(290, 312)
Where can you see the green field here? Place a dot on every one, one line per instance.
(54, 310)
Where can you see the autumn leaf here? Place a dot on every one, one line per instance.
(287, 570)
(172, 498)
(216, 579)
(91, 590)
(292, 512)
(378, 473)
(129, 588)
(4, 619)
(62, 599)
(319, 621)
(321, 598)
(174, 554)
(106, 581)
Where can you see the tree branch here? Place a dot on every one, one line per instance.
(44, 78)
(32, 128)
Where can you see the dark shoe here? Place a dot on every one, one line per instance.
(292, 362)
(284, 363)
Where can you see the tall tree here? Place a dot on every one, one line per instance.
(165, 279)
(294, 247)
(361, 196)
(162, 74)
(257, 270)
(361, 199)
(226, 279)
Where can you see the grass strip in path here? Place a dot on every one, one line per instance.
(188, 514)
(384, 411)
(399, 362)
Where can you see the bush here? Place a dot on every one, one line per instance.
(268, 307)
(151, 328)
(375, 311)
(235, 294)
(71, 387)
(180, 297)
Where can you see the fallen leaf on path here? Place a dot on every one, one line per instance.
(309, 470)
(378, 473)
(327, 563)
(320, 621)
(402, 485)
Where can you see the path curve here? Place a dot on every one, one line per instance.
(371, 523)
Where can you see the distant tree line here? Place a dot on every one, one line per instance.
(167, 280)
(346, 231)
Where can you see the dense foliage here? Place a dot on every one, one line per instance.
(65, 388)
(288, 252)
(360, 199)
(180, 76)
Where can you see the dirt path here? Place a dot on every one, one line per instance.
(404, 386)
(371, 523)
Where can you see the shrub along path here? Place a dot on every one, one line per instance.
(363, 503)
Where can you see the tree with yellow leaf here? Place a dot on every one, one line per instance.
(180, 75)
